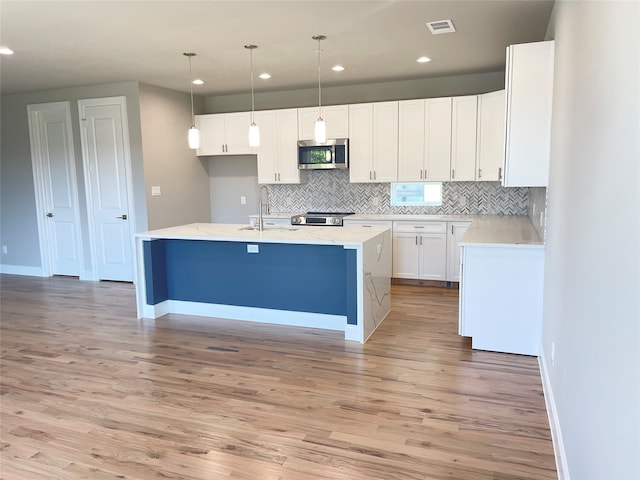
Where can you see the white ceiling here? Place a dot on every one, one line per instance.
(85, 42)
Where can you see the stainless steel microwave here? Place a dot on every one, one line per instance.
(334, 153)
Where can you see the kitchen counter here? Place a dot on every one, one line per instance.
(321, 277)
(497, 230)
(286, 234)
(484, 230)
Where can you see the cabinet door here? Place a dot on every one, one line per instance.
(438, 139)
(529, 85)
(236, 132)
(455, 233)
(433, 256)
(411, 140)
(361, 143)
(490, 136)
(287, 133)
(211, 134)
(385, 142)
(335, 116)
(464, 121)
(268, 150)
(405, 255)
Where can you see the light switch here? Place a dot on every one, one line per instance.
(243, 200)
(155, 191)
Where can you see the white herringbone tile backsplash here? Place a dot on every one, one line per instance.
(330, 190)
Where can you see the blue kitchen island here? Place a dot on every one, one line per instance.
(336, 278)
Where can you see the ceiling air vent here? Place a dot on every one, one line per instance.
(441, 26)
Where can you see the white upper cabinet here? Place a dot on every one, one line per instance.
(424, 135)
(278, 150)
(373, 142)
(464, 122)
(529, 86)
(336, 118)
(490, 136)
(438, 139)
(224, 134)
(411, 135)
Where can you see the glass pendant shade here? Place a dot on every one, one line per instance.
(254, 135)
(194, 138)
(320, 131)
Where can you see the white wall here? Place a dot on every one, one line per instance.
(592, 281)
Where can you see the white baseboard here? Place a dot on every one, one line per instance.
(22, 270)
(554, 422)
(251, 314)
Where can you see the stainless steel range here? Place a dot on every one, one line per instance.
(333, 219)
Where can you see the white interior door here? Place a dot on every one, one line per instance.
(56, 188)
(106, 157)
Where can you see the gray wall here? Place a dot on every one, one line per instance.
(592, 268)
(169, 163)
(372, 92)
(18, 223)
(230, 178)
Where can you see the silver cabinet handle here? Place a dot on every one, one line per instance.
(453, 174)
(500, 173)
(123, 217)
(420, 174)
(479, 173)
(416, 239)
(49, 214)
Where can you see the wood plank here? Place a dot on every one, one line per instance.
(89, 391)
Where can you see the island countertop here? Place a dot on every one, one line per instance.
(307, 235)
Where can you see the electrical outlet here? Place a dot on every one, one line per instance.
(4, 249)
(243, 200)
(462, 201)
(253, 249)
(375, 201)
(156, 191)
(553, 353)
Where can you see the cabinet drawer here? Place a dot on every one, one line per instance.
(372, 223)
(420, 227)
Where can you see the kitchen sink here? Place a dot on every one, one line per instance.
(276, 229)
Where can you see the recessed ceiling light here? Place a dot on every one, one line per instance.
(423, 60)
(264, 76)
(337, 68)
(197, 81)
(6, 51)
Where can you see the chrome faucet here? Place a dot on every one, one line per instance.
(261, 205)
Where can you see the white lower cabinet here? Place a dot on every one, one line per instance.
(455, 231)
(420, 250)
(501, 293)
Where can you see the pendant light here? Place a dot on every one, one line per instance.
(194, 133)
(254, 131)
(320, 127)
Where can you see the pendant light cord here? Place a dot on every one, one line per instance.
(319, 89)
(253, 108)
(193, 117)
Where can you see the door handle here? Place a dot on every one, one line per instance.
(49, 214)
(123, 217)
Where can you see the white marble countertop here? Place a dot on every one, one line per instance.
(500, 230)
(486, 230)
(348, 237)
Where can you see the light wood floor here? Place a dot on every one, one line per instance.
(88, 391)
